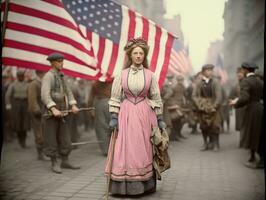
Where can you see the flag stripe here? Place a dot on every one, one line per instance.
(145, 32)
(101, 49)
(42, 41)
(166, 60)
(42, 50)
(35, 26)
(161, 52)
(123, 40)
(132, 24)
(43, 15)
(43, 67)
(156, 48)
(113, 60)
(33, 56)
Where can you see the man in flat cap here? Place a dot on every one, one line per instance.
(251, 96)
(207, 96)
(17, 102)
(57, 96)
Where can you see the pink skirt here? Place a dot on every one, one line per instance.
(133, 154)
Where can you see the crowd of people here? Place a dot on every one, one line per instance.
(49, 104)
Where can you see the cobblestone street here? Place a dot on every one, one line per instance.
(194, 175)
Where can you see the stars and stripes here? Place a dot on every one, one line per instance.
(179, 60)
(37, 28)
(90, 33)
(111, 25)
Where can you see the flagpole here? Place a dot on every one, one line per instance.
(4, 21)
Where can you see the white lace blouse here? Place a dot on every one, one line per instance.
(135, 84)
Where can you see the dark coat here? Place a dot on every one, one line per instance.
(208, 99)
(251, 94)
(239, 112)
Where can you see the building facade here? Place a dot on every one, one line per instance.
(243, 33)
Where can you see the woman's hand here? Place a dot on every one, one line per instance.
(160, 121)
(113, 124)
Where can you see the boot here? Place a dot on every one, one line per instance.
(205, 144)
(211, 142)
(22, 143)
(216, 142)
(252, 156)
(65, 164)
(40, 155)
(55, 166)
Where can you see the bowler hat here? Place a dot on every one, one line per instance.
(55, 56)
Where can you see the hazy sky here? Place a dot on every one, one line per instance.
(201, 23)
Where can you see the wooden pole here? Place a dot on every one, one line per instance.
(114, 136)
(4, 21)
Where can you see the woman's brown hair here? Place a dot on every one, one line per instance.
(132, 44)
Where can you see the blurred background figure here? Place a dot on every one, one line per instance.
(98, 98)
(8, 135)
(73, 119)
(224, 108)
(251, 95)
(239, 112)
(166, 93)
(192, 117)
(36, 109)
(83, 90)
(17, 102)
(175, 105)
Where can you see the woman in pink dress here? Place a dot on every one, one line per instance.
(135, 107)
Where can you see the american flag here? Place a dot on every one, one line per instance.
(219, 69)
(37, 28)
(82, 30)
(179, 60)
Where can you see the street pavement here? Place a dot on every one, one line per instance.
(194, 175)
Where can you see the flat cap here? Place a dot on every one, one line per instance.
(20, 72)
(249, 65)
(207, 66)
(55, 56)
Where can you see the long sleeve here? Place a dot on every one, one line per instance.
(244, 94)
(116, 95)
(46, 91)
(155, 96)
